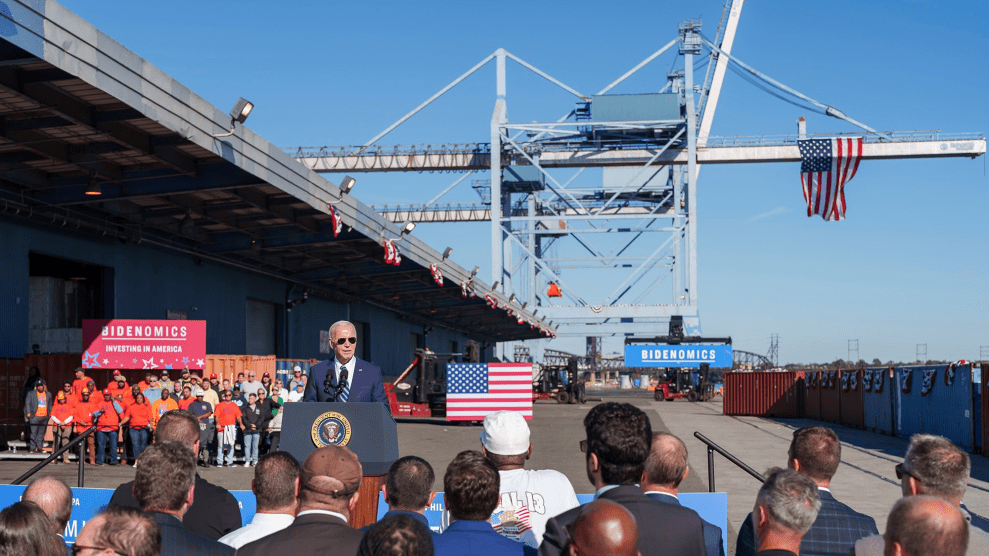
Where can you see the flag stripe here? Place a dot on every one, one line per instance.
(827, 165)
(475, 390)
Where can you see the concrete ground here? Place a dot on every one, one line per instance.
(865, 481)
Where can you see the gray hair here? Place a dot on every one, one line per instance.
(924, 525)
(790, 498)
(941, 467)
(340, 323)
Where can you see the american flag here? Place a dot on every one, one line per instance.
(826, 165)
(473, 390)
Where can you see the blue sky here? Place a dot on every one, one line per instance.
(908, 266)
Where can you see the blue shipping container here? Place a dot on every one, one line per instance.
(878, 398)
(936, 407)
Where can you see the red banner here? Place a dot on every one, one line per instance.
(143, 344)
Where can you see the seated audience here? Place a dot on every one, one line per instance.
(934, 466)
(164, 487)
(785, 509)
(604, 527)
(926, 525)
(619, 436)
(26, 530)
(816, 452)
(666, 468)
(328, 492)
(471, 486)
(528, 497)
(276, 489)
(121, 531)
(214, 512)
(397, 535)
(408, 488)
(54, 497)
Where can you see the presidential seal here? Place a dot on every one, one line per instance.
(331, 428)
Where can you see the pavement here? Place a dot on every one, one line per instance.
(865, 481)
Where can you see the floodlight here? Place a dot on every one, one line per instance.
(446, 253)
(408, 227)
(526, 304)
(475, 270)
(241, 110)
(347, 184)
(495, 285)
(511, 298)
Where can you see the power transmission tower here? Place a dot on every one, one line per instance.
(774, 349)
(853, 348)
(921, 353)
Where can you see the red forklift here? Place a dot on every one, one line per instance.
(682, 382)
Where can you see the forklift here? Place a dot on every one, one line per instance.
(561, 382)
(679, 382)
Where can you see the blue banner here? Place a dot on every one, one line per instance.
(687, 355)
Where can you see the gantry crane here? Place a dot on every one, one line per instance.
(651, 148)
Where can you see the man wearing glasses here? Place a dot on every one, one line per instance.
(345, 378)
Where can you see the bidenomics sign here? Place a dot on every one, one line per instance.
(143, 344)
(686, 355)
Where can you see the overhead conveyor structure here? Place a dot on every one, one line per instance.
(651, 148)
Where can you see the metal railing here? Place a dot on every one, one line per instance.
(711, 448)
(79, 440)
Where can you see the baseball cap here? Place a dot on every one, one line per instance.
(265, 375)
(199, 392)
(85, 390)
(106, 391)
(297, 369)
(116, 372)
(505, 433)
(212, 376)
(331, 472)
(164, 373)
(60, 396)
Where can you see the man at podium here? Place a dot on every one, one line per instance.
(345, 378)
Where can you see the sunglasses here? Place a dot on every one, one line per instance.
(341, 341)
(583, 446)
(901, 471)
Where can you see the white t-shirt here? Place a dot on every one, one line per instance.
(295, 395)
(528, 499)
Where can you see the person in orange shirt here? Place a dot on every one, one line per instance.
(162, 406)
(82, 416)
(138, 419)
(227, 421)
(187, 398)
(119, 389)
(107, 424)
(71, 397)
(80, 382)
(61, 423)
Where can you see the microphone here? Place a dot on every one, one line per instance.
(344, 374)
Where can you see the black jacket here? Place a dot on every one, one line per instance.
(308, 535)
(176, 540)
(214, 511)
(253, 416)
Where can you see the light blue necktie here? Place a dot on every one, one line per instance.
(346, 386)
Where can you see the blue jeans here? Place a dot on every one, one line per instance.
(251, 440)
(139, 441)
(101, 441)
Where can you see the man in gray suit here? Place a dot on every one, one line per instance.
(37, 411)
(328, 492)
(164, 487)
(666, 468)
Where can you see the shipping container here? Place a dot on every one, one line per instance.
(936, 399)
(851, 412)
(812, 398)
(831, 396)
(768, 394)
(878, 400)
(228, 367)
(984, 388)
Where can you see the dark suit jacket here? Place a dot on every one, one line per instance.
(176, 540)
(365, 383)
(309, 534)
(712, 533)
(833, 533)
(477, 538)
(664, 529)
(214, 511)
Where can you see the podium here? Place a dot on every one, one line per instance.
(368, 429)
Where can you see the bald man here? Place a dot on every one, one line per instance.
(55, 499)
(604, 527)
(922, 525)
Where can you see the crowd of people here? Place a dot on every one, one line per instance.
(246, 414)
(498, 507)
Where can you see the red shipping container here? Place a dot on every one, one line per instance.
(852, 405)
(768, 394)
(812, 403)
(831, 396)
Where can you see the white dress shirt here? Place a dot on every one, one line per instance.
(351, 369)
(261, 526)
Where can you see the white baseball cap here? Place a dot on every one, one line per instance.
(505, 433)
(297, 369)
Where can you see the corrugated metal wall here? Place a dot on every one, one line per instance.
(812, 403)
(851, 404)
(770, 394)
(878, 400)
(938, 408)
(831, 396)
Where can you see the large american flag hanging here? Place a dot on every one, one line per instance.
(826, 165)
(473, 390)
